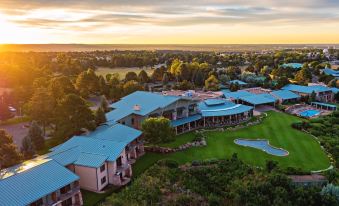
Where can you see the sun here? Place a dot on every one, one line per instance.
(11, 33)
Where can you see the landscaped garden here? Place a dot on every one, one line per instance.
(304, 151)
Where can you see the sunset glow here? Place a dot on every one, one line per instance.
(175, 22)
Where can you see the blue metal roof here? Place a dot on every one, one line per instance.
(257, 99)
(334, 90)
(306, 89)
(211, 102)
(33, 180)
(225, 91)
(65, 157)
(237, 81)
(324, 104)
(116, 133)
(285, 94)
(293, 65)
(90, 160)
(147, 101)
(178, 122)
(331, 72)
(228, 108)
(117, 114)
(106, 141)
(93, 146)
(237, 94)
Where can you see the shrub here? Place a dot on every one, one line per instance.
(196, 162)
(168, 163)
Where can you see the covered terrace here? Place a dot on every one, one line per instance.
(324, 106)
(218, 113)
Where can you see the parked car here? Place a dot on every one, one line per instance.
(11, 109)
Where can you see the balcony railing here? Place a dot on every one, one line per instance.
(65, 196)
(123, 167)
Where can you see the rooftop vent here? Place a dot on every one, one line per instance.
(136, 107)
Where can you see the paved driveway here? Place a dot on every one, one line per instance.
(18, 131)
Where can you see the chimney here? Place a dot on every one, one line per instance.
(136, 107)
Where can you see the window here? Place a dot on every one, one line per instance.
(132, 120)
(103, 180)
(102, 168)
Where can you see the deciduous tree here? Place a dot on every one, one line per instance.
(158, 130)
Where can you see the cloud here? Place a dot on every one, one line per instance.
(151, 16)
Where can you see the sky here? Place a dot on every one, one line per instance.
(169, 22)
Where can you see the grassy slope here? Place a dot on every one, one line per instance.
(305, 152)
(180, 140)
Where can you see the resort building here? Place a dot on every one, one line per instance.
(323, 94)
(131, 110)
(220, 112)
(101, 158)
(235, 96)
(258, 98)
(40, 181)
(285, 96)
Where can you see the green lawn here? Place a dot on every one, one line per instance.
(304, 151)
(180, 140)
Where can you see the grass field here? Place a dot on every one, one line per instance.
(304, 151)
(122, 71)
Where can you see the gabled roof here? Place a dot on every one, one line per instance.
(105, 143)
(91, 160)
(94, 146)
(257, 99)
(32, 180)
(237, 94)
(228, 108)
(65, 157)
(117, 133)
(305, 89)
(285, 94)
(146, 101)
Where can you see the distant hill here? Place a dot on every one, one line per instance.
(178, 47)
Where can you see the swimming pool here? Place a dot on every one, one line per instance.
(309, 113)
(263, 145)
